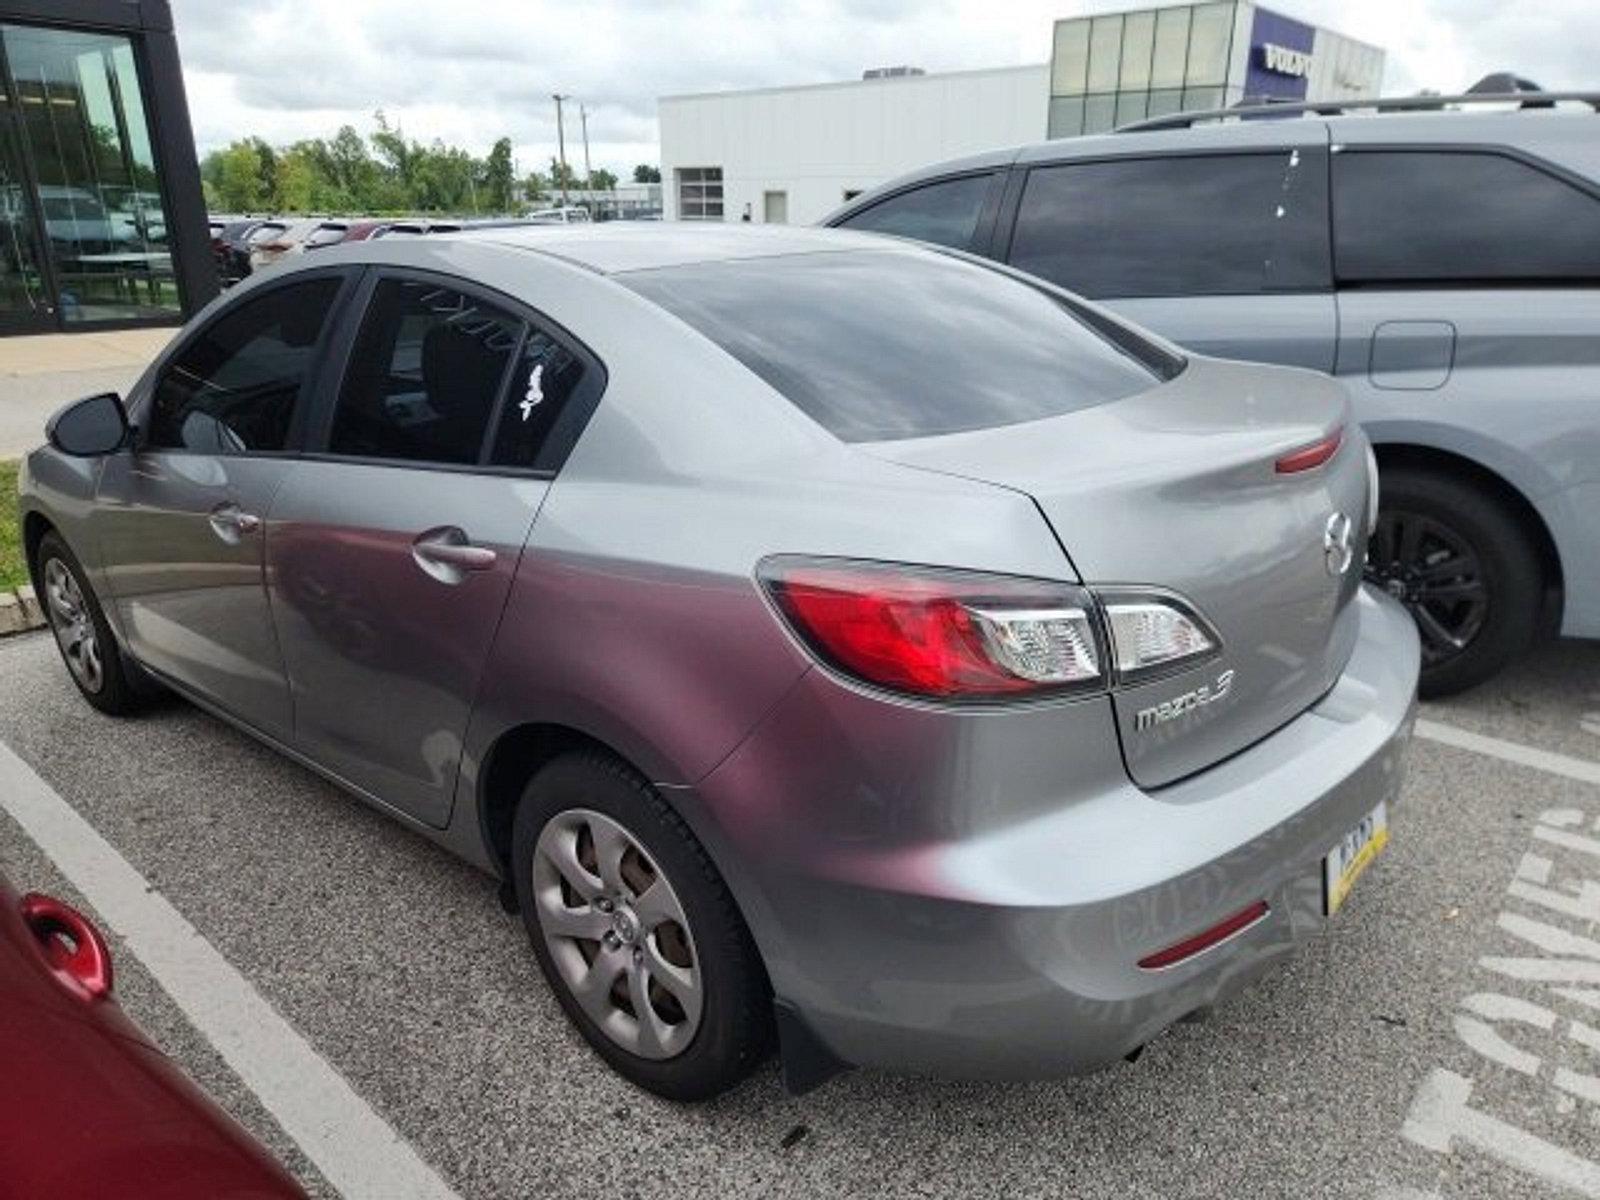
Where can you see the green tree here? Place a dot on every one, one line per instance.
(239, 185)
(645, 173)
(294, 181)
(499, 177)
(602, 181)
(560, 175)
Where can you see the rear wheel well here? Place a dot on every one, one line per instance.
(515, 758)
(1442, 462)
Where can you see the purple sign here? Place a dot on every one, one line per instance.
(1280, 57)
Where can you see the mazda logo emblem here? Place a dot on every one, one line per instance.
(1338, 544)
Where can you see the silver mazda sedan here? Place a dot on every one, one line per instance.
(826, 639)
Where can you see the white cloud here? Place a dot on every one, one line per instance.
(470, 71)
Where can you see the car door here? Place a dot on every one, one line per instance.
(1225, 253)
(396, 540)
(181, 520)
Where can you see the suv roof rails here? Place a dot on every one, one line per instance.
(1338, 108)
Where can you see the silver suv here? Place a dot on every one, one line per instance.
(1442, 263)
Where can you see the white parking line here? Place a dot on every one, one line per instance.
(1582, 769)
(353, 1147)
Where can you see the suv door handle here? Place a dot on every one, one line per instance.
(230, 523)
(447, 554)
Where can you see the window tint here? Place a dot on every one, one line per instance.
(903, 343)
(234, 387)
(1458, 216)
(943, 213)
(1180, 226)
(424, 375)
(546, 376)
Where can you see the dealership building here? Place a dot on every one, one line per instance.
(102, 220)
(793, 154)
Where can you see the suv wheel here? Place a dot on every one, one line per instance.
(1463, 565)
(636, 932)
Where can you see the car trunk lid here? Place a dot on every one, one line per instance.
(1180, 488)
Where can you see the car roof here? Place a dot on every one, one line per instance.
(1564, 136)
(610, 248)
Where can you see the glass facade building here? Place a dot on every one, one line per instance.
(1110, 70)
(103, 224)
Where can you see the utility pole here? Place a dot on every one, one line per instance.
(561, 142)
(588, 171)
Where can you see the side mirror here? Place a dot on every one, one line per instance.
(90, 427)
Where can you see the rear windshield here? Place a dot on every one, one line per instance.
(876, 346)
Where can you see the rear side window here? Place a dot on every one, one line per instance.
(904, 343)
(425, 375)
(944, 213)
(1234, 224)
(1438, 216)
(233, 389)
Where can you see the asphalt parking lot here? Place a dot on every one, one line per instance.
(1441, 1040)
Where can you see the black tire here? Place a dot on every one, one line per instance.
(1496, 620)
(735, 1025)
(120, 688)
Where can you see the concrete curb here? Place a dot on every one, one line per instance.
(19, 612)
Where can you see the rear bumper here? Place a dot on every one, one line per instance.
(1009, 947)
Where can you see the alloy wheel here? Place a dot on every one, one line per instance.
(1436, 574)
(73, 626)
(618, 934)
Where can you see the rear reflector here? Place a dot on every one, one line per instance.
(1238, 923)
(1312, 456)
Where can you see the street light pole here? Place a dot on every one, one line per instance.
(588, 171)
(561, 142)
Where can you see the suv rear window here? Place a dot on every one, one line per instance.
(879, 345)
(1435, 216)
(945, 212)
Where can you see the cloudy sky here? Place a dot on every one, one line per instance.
(470, 71)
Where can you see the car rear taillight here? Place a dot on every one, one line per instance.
(72, 947)
(945, 634)
(1153, 633)
(1310, 457)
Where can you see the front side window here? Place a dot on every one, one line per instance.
(425, 375)
(945, 213)
(1437, 216)
(1234, 224)
(233, 389)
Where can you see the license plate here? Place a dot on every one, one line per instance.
(1352, 855)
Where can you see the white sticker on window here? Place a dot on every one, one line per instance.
(534, 396)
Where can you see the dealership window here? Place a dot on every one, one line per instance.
(945, 213)
(1138, 36)
(1105, 52)
(1210, 41)
(82, 126)
(1070, 64)
(1179, 226)
(1434, 215)
(1169, 63)
(700, 193)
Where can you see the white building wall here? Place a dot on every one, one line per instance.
(816, 143)
(1344, 69)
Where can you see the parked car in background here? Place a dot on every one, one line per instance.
(280, 239)
(230, 247)
(338, 230)
(1441, 264)
(818, 633)
(415, 227)
(570, 215)
(92, 1107)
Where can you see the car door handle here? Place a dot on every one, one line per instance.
(447, 554)
(231, 523)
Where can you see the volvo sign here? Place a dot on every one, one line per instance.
(1281, 60)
